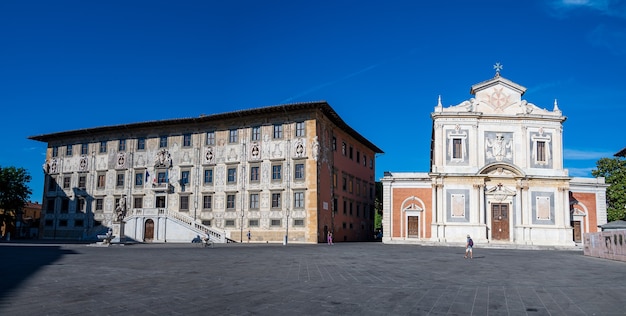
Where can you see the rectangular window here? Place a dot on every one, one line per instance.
(299, 171)
(253, 223)
(343, 148)
(138, 179)
(229, 223)
(275, 200)
(65, 205)
(79, 223)
(254, 201)
(99, 204)
(232, 175)
(84, 149)
(82, 182)
(184, 177)
(276, 172)
(254, 174)
(232, 136)
(456, 148)
(210, 138)
(278, 131)
(275, 223)
(160, 201)
(350, 152)
(255, 133)
(206, 222)
(50, 206)
(103, 147)
(350, 185)
(207, 202)
(162, 141)
(298, 222)
(184, 203)
(230, 202)
(52, 184)
(541, 151)
(138, 202)
(101, 180)
(141, 143)
(298, 200)
(55, 151)
(358, 157)
(364, 160)
(122, 145)
(187, 140)
(63, 223)
(80, 205)
(120, 180)
(66, 182)
(161, 177)
(334, 143)
(208, 176)
(300, 129)
(344, 183)
(68, 150)
(345, 207)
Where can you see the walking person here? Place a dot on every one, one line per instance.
(249, 235)
(329, 238)
(469, 244)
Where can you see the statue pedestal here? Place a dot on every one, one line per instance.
(118, 232)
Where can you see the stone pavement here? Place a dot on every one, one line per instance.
(272, 279)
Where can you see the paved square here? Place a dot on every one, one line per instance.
(270, 279)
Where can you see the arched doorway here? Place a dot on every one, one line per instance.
(148, 234)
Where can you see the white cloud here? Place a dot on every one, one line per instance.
(615, 8)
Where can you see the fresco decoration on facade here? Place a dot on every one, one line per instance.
(232, 154)
(209, 156)
(498, 148)
(277, 152)
(255, 151)
(84, 163)
(163, 159)
(315, 148)
(50, 166)
(299, 150)
(120, 162)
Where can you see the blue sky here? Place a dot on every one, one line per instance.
(381, 65)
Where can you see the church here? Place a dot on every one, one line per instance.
(497, 175)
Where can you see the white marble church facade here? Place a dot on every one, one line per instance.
(496, 174)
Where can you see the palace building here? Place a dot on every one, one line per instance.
(290, 172)
(497, 175)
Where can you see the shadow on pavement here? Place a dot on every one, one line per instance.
(19, 262)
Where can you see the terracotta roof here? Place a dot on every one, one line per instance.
(322, 106)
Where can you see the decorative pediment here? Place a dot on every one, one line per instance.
(498, 96)
(499, 192)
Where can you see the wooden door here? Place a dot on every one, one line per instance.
(577, 231)
(148, 234)
(500, 221)
(413, 226)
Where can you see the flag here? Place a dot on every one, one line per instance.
(147, 175)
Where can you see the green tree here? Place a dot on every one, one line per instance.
(14, 193)
(378, 206)
(614, 172)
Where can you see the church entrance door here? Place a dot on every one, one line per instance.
(148, 234)
(413, 227)
(499, 221)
